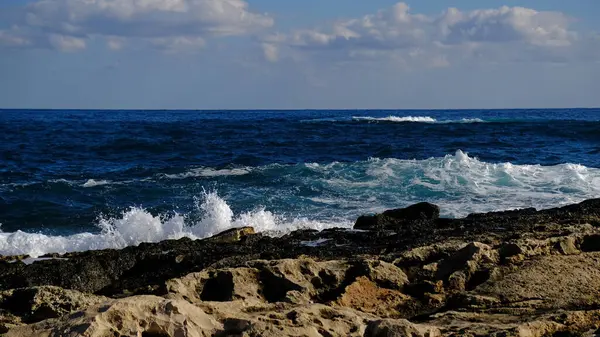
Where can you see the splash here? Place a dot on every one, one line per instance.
(137, 225)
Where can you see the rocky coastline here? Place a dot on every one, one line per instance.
(405, 272)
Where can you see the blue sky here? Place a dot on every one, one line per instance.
(268, 54)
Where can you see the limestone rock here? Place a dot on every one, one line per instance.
(399, 328)
(39, 303)
(232, 235)
(133, 316)
(553, 281)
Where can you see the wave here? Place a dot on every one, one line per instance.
(416, 119)
(94, 183)
(208, 172)
(330, 195)
(137, 225)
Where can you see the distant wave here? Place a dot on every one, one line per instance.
(416, 119)
(94, 183)
(208, 172)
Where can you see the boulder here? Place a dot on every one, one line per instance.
(392, 219)
(232, 235)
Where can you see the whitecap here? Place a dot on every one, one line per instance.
(208, 172)
(418, 119)
(94, 183)
(137, 225)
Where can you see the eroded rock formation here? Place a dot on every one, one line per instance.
(407, 273)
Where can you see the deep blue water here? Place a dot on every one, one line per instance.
(73, 180)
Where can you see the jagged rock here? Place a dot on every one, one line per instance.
(147, 316)
(296, 281)
(39, 303)
(232, 235)
(517, 273)
(469, 260)
(567, 246)
(364, 295)
(399, 328)
(550, 282)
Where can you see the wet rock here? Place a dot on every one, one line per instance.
(391, 219)
(232, 235)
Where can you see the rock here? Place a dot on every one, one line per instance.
(399, 328)
(517, 273)
(364, 295)
(567, 246)
(503, 214)
(470, 259)
(420, 211)
(149, 316)
(40, 303)
(550, 282)
(232, 235)
(391, 219)
(591, 243)
(509, 250)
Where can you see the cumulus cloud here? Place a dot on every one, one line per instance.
(506, 24)
(398, 34)
(187, 23)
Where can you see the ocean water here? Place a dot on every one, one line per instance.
(79, 180)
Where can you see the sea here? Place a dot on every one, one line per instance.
(76, 180)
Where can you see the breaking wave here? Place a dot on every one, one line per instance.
(417, 119)
(137, 225)
(328, 195)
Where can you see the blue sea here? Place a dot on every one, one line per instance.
(76, 180)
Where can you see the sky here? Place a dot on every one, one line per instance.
(309, 54)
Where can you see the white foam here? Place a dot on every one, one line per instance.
(417, 119)
(94, 183)
(137, 225)
(208, 172)
(461, 184)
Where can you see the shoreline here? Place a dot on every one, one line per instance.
(513, 273)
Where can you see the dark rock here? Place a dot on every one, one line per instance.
(392, 219)
(218, 288)
(145, 268)
(591, 243)
(503, 214)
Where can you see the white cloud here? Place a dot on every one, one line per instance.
(115, 43)
(185, 22)
(66, 43)
(14, 38)
(271, 52)
(409, 39)
(506, 24)
(179, 44)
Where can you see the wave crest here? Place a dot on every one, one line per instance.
(137, 225)
(417, 119)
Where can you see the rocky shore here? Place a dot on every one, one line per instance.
(404, 272)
